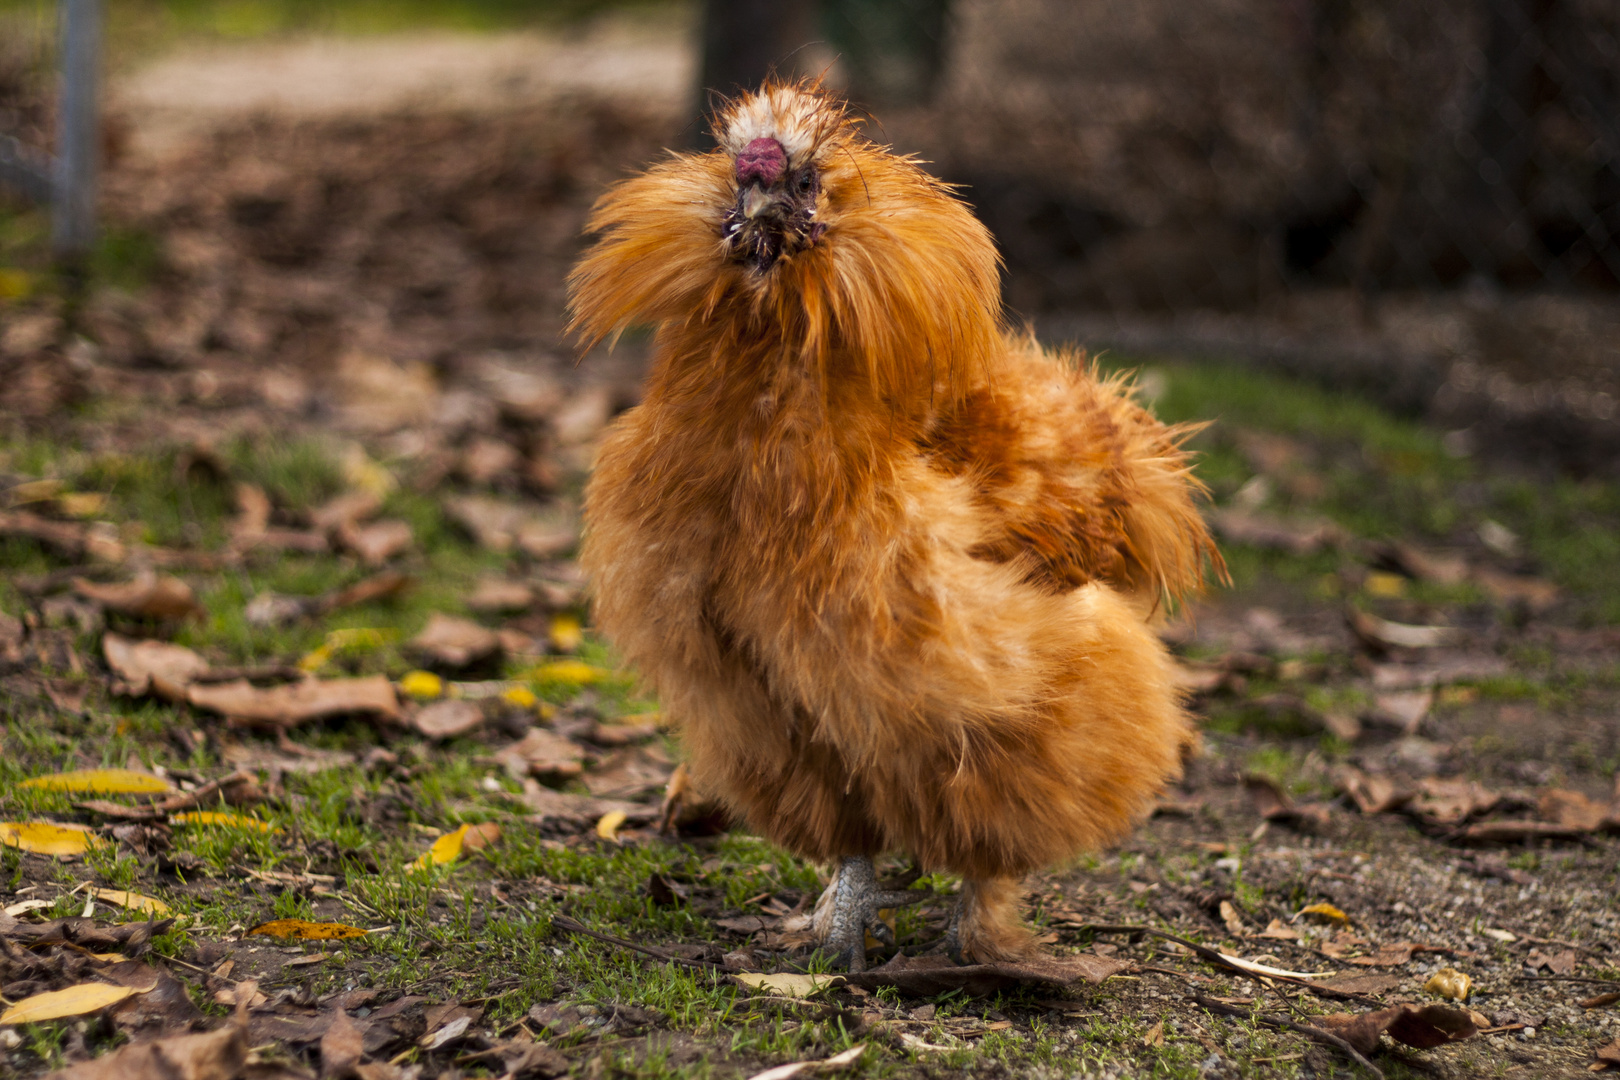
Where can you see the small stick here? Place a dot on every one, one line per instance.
(1220, 961)
(1288, 1025)
(569, 926)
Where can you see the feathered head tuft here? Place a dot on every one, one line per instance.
(797, 239)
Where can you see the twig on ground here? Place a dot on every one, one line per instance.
(1215, 957)
(569, 926)
(1271, 1020)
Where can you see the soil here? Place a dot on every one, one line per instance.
(395, 272)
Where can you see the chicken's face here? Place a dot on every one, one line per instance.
(802, 237)
(774, 141)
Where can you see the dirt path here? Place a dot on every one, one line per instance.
(645, 64)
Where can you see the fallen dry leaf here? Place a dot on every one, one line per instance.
(220, 819)
(1420, 1026)
(74, 1001)
(102, 782)
(1575, 810)
(1512, 832)
(305, 930)
(1450, 802)
(1559, 963)
(448, 848)
(211, 1055)
(48, 838)
(455, 642)
(253, 510)
(377, 542)
(1610, 1054)
(1371, 794)
(148, 596)
(1444, 673)
(1359, 983)
(448, 719)
(544, 754)
(1534, 594)
(1381, 635)
(1403, 710)
(151, 667)
(630, 773)
(575, 672)
(787, 983)
(131, 901)
(797, 1068)
(1297, 536)
(926, 976)
(494, 596)
(1444, 568)
(578, 812)
(1325, 913)
(1450, 983)
(501, 526)
(70, 539)
(1272, 803)
(608, 827)
(349, 508)
(296, 703)
(341, 1047)
(565, 632)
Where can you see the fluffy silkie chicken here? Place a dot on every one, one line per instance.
(888, 565)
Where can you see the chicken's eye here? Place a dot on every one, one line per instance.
(807, 181)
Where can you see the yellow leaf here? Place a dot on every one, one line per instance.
(521, 696)
(421, 685)
(1449, 983)
(56, 1004)
(354, 639)
(1379, 583)
(566, 633)
(219, 817)
(132, 901)
(608, 827)
(304, 930)
(48, 838)
(82, 504)
(360, 471)
(1326, 913)
(448, 848)
(102, 782)
(787, 983)
(15, 284)
(569, 671)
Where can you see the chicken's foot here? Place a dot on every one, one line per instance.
(848, 911)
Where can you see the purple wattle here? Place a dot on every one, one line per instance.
(763, 160)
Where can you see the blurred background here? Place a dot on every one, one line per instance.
(1419, 199)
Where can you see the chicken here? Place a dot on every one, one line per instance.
(888, 565)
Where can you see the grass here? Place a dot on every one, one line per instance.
(1383, 477)
(482, 928)
(137, 29)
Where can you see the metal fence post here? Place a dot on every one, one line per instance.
(73, 210)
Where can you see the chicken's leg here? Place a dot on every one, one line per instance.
(848, 910)
(985, 927)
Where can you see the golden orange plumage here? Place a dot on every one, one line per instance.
(887, 565)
